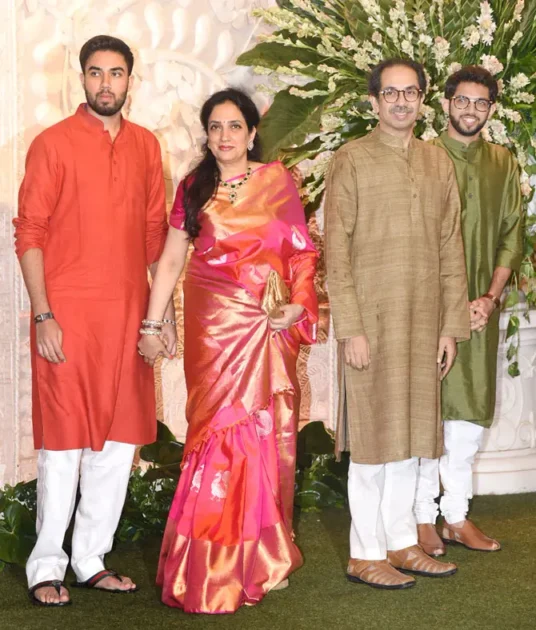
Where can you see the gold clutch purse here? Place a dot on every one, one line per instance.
(276, 294)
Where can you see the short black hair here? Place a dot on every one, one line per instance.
(472, 74)
(375, 76)
(106, 42)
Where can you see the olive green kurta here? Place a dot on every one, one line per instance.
(492, 229)
(396, 273)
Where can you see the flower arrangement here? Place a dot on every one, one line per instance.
(319, 55)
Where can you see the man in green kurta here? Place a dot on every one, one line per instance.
(488, 181)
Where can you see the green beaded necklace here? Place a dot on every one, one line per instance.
(233, 188)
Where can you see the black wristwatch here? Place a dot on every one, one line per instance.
(43, 316)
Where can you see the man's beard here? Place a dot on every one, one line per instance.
(106, 109)
(468, 133)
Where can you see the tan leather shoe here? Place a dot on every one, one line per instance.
(469, 536)
(429, 540)
(414, 560)
(378, 574)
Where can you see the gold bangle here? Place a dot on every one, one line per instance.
(155, 323)
(150, 331)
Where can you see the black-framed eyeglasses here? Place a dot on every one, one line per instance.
(390, 94)
(481, 104)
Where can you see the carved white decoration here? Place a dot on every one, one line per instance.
(184, 50)
(507, 461)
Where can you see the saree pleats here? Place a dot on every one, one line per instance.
(229, 537)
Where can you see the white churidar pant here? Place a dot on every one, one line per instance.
(381, 501)
(103, 477)
(462, 442)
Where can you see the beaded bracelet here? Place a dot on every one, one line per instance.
(154, 323)
(169, 321)
(150, 331)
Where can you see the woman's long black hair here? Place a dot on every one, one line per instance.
(201, 183)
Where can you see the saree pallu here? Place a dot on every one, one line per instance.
(229, 538)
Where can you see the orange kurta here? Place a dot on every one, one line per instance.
(97, 210)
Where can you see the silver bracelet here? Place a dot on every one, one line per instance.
(150, 331)
(169, 321)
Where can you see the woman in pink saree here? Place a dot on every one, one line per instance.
(229, 537)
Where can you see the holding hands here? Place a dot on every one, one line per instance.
(480, 311)
(152, 345)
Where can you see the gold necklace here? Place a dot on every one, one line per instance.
(233, 188)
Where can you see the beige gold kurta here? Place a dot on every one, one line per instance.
(396, 273)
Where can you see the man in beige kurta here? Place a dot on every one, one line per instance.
(397, 285)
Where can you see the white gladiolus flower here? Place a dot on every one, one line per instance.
(523, 97)
(407, 48)
(454, 67)
(441, 49)
(518, 11)
(498, 131)
(471, 37)
(519, 81)
(429, 133)
(491, 64)
(425, 39)
(349, 43)
(377, 38)
(420, 21)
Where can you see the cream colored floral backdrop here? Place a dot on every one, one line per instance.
(184, 50)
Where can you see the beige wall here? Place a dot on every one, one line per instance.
(184, 51)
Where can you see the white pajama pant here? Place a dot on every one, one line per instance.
(462, 442)
(381, 501)
(103, 477)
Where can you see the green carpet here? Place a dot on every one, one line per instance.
(490, 591)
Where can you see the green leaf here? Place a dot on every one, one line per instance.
(307, 151)
(288, 121)
(511, 352)
(164, 434)
(272, 55)
(513, 326)
(314, 439)
(512, 299)
(162, 452)
(513, 369)
(314, 495)
(170, 471)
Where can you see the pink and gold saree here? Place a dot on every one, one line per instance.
(229, 539)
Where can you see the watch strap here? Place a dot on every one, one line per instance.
(43, 316)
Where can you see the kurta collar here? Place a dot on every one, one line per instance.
(93, 122)
(460, 149)
(388, 139)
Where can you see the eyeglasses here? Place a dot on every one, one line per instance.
(411, 94)
(481, 104)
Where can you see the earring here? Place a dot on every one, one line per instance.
(250, 145)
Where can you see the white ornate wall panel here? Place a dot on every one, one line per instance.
(507, 461)
(184, 50)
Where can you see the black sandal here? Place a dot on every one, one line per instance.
(92, 582)
(57, 584)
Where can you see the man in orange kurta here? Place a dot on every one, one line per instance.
(91, 221)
